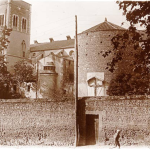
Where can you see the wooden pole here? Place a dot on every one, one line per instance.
(76, 82)
(37, 75)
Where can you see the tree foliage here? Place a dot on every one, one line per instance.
(132, 46)
(24, 71)
(6, 79)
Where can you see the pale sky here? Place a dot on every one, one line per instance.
(56, 19)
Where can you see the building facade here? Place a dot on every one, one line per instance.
(54, 64)
(93, 78)
(16, 15)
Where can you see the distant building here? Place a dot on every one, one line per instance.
(93, 78)
(16, 15)
(55, 61)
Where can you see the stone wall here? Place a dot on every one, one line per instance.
(90, 58)
(41, 122)
(131, 115)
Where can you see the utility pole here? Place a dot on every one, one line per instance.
(76, 82)
(37, 78)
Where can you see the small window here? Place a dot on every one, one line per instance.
(15, 88)
(49, 68)
(1, 20)
(29, 88)
(34, 54)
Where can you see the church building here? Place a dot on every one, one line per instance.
(16, 15)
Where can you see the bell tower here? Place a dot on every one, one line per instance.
(17, 16)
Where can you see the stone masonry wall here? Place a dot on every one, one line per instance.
(131, 115)
(90, 58)
(37, 122)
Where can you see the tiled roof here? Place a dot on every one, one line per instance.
(52, 45)
(104, 26)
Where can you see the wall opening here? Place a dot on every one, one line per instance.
(92, 129)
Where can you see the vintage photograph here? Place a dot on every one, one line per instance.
(75, 74)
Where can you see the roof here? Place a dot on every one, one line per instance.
(104, 26)
(55, 45)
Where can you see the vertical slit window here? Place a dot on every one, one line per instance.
(24, 23)
(14, 20)
(1, 20)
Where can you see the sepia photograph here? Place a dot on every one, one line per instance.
(74, 74)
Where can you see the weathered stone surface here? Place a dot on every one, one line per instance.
(37, 122)
(131, 116)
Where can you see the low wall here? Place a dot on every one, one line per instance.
(26, 122)
(129, 114)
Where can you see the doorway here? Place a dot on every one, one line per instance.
(92, 129)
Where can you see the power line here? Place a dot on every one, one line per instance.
(52, 22)
(58, 35)
(57, 29)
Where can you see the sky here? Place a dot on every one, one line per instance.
(56, 19)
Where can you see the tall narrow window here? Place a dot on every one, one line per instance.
(23, 48)
(24, 24)
(15, 20)
(1, 20)
(29, 88)
(15, 88)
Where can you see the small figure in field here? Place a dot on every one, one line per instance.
(116, 138)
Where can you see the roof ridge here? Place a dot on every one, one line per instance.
(111, 24)
(50, 42)
(116, 25)
(104, 26)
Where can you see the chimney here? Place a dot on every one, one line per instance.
(51, 39)
(35, 42)
(68, 37)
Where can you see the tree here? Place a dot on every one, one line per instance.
(138, 56)
(24, 71)
(5, 77)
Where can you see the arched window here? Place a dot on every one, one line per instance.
(15, 20)
(24, 24)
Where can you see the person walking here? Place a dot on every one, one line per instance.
(116, 138)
